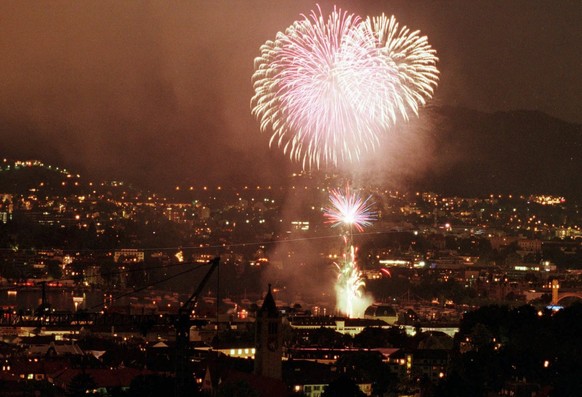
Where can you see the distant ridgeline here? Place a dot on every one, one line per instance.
(518, 152)
(13, 165)
(18, 176)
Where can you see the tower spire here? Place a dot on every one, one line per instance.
(268, 339)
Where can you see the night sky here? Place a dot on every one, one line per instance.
(158, 92)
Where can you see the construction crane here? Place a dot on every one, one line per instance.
(44, 307)
(183, 324)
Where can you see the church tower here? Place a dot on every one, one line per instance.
(268, 339)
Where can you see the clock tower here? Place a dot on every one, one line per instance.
(268, 339)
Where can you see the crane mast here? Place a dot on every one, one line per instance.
(183, 331)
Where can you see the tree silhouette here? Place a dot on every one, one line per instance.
(80, 384)
(343, 387)
(151, 386)
(237, 389)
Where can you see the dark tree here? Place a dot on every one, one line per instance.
(327, 337)
(109, 272)
(372, 337)
(502, 345)
(53, 269)
(80, 384)
(372, 366)
(238, 389)
(151, 386)
(343, 387)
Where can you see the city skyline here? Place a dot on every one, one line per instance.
(172, 220)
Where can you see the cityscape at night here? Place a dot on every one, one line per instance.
(250, 199)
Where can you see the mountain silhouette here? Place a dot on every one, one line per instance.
(516, 152)
(471, 153)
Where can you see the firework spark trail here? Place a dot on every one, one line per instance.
(348, 209)
(328, 88)
(351, 299)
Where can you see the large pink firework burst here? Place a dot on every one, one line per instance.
(327, 88)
